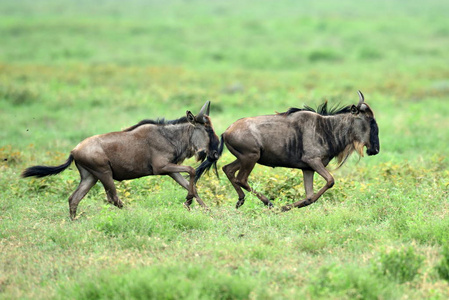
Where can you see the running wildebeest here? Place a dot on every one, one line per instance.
(147, 148)
(305, 139)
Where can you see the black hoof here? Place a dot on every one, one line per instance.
(239, 203)
(189, 201)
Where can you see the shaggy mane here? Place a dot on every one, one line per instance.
(158, 122)
(322, 109)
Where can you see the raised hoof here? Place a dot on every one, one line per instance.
(119, 204)
(239, 203)
(270, 205)
(189, 201)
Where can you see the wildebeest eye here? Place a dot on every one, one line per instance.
(354, 110)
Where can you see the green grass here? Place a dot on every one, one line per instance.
(69, 70)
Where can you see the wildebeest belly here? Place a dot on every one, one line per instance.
(270, 159)
(127, 157)
(280, 146)
(132, 165)
(124, 173)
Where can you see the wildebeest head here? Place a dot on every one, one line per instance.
(204, 139)
(365, 128)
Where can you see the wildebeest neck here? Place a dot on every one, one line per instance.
(179, 137)
(334, 133)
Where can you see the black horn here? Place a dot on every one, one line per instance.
(361, 97)
(361, 101)
(204, 110)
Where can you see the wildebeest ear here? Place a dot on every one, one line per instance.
(190, 117)
(354, 110)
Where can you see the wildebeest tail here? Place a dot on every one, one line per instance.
(209, 162)
(42, 171)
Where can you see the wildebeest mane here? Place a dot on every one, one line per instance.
(322, 109)
(161, 121)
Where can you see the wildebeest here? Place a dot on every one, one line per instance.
(147, 148)
(305, 139)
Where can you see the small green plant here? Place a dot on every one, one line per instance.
(162, 282)
(18, 95)
(443, 267)
(401, 265)
(323, 55)
(115, 223)
(349, 282)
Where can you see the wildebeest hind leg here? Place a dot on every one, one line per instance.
(87, 182)
(230, 170)
(242, 178)
(109, 187)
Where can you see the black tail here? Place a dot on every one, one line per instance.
(209, 162)
(42, 171)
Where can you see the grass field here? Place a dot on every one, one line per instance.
(72, 69)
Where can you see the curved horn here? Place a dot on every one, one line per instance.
(205, 109)
(361, 99)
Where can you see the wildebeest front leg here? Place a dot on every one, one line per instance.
(185, 184)
(308, 184)
(173, 168)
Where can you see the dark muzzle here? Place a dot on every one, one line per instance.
(373, 139)
(372, 151)
(213, 155)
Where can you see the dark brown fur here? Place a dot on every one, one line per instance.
(301, 139)
(147, 148)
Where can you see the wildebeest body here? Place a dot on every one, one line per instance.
(147, 148)
(142, 144)
(299, 138)
(279, 140)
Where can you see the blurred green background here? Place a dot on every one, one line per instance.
(72, 69)
(72, 66)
